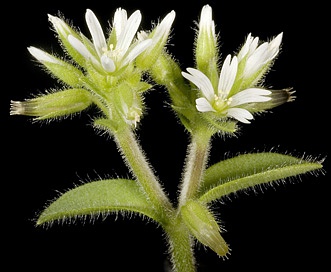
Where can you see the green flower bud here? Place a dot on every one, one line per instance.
(278, 97)
(202, 224)
(206, 53)
(57, 104)
(128, 102)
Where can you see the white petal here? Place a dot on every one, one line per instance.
(248, 48)
(244, 50)
(241, 115)
(201, 81)
(227, 76)
(163, 29)
(256, 60)
(130, 30)
(262, 55)
(119, 21)
(207, 24)
(107, 63)
(95, 28)
(274, 46)
(253, 46)
(81, 48)
(60, 26)
(203, 105)
(42, 56)
(251, 95)
(136, 50)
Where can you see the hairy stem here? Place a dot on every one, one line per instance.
(137, 162)
(180, 246)
(195, 166)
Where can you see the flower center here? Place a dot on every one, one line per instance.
(112, 53)
(220, 104)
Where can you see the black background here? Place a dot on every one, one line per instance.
(284, 226)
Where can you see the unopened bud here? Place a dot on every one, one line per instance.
(53, 105)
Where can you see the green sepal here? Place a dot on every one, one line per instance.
(66, 72)
(249, 170)
(225, 126)
(99, 197)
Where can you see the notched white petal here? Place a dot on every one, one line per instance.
(119, 21)
(227, 76)
(128, 33)
(201, 81)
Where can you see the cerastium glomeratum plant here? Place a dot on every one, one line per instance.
(114, 71)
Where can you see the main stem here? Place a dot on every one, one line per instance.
(195, 166)
(180, 246)
(137, 162)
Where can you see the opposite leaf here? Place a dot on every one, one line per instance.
(99, 197)
(249, 170)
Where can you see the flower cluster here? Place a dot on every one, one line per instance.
(233, 92)
(108, 73)
(105, 71)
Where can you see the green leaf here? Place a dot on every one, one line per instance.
(249, 170)
(99, 197)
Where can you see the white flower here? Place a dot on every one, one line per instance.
(112, 57)
(257, 57)
(220, 101)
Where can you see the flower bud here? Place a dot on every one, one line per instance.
(206, 54)
(53, 105)
(204, 227)
(159, 37)
(59, 68)
(278, 97)
(64, 31)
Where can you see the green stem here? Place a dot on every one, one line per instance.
(195, 166)
(180, 246)
(137, 162)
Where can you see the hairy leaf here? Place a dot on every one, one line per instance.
(249, 170)
(99, 197)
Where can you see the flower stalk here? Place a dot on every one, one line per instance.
(195, 166)
(140, 168)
